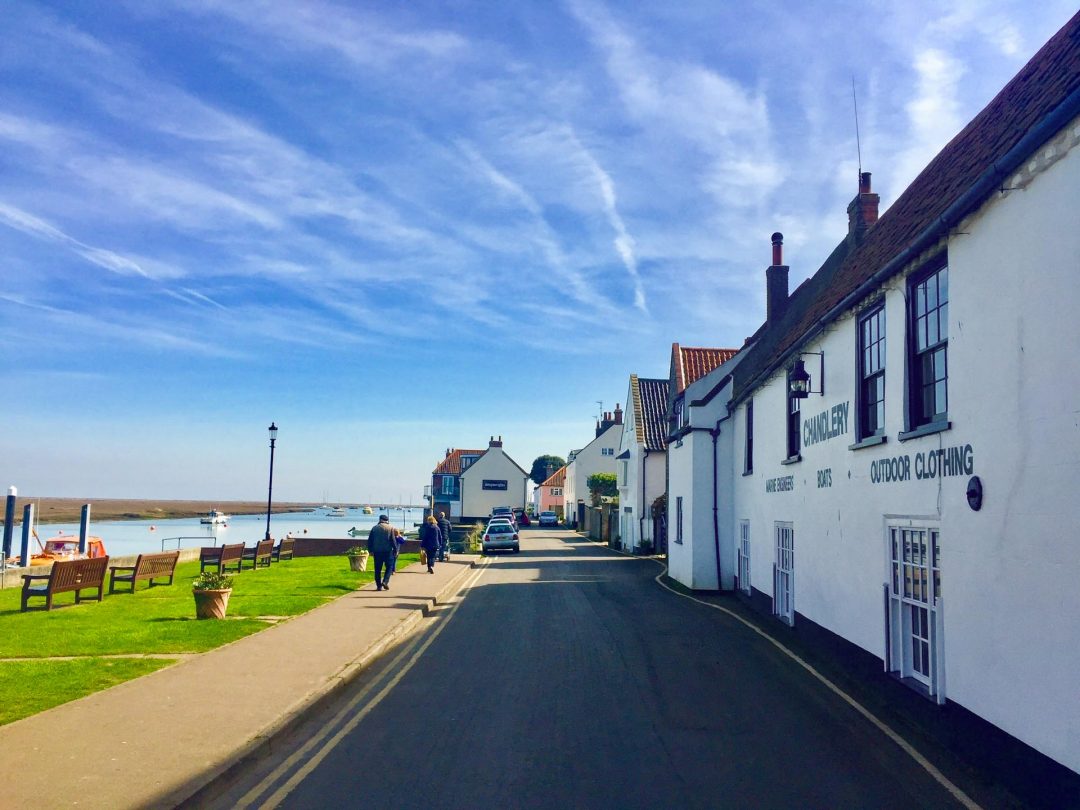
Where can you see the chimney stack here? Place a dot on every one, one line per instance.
(618, 414)
(493, 442)
(776, 282)
(862, 211)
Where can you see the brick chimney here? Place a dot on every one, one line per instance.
(618, 414)
(862, 211)
(776, 282)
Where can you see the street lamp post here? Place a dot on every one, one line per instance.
(270, 491)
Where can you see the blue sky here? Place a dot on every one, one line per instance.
(395, 228)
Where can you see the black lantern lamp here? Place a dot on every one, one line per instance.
(799, 379)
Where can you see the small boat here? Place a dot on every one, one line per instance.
(355, 532)
(336, 511)
(368, 510)
(64, 547)
(214, 517)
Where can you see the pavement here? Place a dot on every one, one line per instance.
(158, 740)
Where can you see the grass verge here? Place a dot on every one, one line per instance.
(152, 621)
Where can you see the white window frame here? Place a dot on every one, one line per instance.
(914, 609)
(447, 479)
(744, 557)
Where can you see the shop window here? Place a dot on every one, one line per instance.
(928, 342)
(871, 391)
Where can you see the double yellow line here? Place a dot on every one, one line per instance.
(321, 744)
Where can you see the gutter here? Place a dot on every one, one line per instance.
(641, 516)
(983, 186)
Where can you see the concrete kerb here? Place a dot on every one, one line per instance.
(262, 744)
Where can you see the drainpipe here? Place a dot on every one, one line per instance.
(641, 516)
(715, 433)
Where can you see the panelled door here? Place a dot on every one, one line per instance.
(784, 573)
(914, 593)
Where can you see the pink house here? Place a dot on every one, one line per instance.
(551, 493)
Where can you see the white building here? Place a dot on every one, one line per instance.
(919, 502)
(598, 456)
(642, 461)
(700, 549)
(493, 480)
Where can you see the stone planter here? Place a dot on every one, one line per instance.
(358, 562)
(211, 604)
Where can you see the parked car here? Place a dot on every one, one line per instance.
(500, 535)
(524, 519)
(549, 519)
(506, 512)
(501, 519)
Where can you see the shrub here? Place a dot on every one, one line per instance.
(211, 581)
(354, 551)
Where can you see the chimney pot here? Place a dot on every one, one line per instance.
(864, 183)
(777, 248)
(776, 281)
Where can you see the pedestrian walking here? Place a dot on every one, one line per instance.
(446, 530)
(399, 541)
(430, 538)
(383, 547)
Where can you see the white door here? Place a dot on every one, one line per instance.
(784, 573)
(914, 590)
(744, 556)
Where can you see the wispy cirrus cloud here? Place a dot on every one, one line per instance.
(40, 229)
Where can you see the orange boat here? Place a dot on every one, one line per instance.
(64, 547)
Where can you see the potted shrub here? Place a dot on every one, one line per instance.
(211, 590)
(358, 557)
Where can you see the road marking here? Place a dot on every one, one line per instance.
(251, 797)
(904, 745)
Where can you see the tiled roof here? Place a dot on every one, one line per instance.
(452, 463)
(654, 396)
(961, 178)
(690, 364)
(557, 479)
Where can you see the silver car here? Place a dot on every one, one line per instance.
(500, 535)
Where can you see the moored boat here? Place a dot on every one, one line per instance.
(214, 518)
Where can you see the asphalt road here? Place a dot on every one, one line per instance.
(565, 677)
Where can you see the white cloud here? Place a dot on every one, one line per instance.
(33, 226)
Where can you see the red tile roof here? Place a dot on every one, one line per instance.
(452, 463)
(971, 168)
(689, 364)
(557, 479)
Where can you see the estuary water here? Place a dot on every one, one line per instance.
(123, 537)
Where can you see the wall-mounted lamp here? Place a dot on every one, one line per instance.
(799, 380)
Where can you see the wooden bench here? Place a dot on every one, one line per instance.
(66, 575)
(148, 567)
(221, 557)
(283, 550)
(258, 555)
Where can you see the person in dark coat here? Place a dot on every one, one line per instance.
(383, 547)
(430, 538)
(444, 527)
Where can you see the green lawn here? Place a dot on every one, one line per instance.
(158, 620)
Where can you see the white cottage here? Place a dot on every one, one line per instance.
(598, 456)
(906, 449)
(642, 462)
(690, 461)
(494, 479)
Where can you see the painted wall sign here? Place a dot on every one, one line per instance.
(824, 478)
(826, 425)
(943, 463)
(785, 483)
(489, 484)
